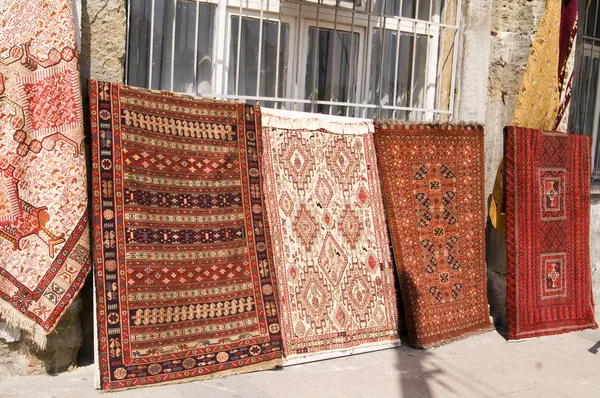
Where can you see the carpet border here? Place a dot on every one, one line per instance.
(391, 128)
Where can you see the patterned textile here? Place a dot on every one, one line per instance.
(566, 59)
(549, 287)
(183, 262)
(538, 103)
(325, 211)
(433, 182)
(44, 239)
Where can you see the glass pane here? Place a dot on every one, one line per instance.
(589, 74)
(273, 70)
(592, 25)
(392, 7)
(384, 68)
(173, 44)
(418, 89)
(162, 45)
(329, 76)
(185, 37)
(206, 27)
(139, 42)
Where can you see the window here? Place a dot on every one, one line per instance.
(586, 104)
(331, 68)
(246, 60)
(362, 58)
(170, 45)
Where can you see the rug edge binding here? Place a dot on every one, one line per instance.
(272, 364)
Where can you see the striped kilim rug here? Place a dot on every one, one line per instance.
(334, 270)
(433, 182)
(44, 236)
(182, 258)
(549, 289)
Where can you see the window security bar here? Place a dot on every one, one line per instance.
(363, 58)
(586, 104)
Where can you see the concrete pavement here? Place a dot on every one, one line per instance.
(481, 366)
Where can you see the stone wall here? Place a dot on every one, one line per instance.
(514, 25)
(103, 39)
(102, 27)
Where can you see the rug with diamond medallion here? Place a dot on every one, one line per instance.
(325, 211)
(44, 236)
(183, 261)
(433, 183)
(549, 288)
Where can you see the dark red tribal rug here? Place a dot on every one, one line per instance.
(548, 178)
(183, 264)
(433, 183)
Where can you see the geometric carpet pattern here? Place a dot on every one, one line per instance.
(548, 178)
(44, 236)
(433, 183)
(334, 272)
(185, 285)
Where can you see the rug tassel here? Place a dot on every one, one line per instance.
(18, 320)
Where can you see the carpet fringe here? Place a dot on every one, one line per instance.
(267, 365)
(14, 318)
(453, 339)
(404, 125)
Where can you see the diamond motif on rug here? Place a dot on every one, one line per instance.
(350, 226)
(332, 254)
(305, 227)
(332, 260)
(549, 285)
(434, 195)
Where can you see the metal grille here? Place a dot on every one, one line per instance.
(362, 58)
(586, 106)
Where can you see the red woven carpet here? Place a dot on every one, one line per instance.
(548, 228)
(183, 265)
(433, 180)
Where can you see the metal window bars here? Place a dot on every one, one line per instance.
(345, 78)
(586, 106)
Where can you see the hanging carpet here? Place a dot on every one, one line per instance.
(325, 211)
(44, 238)
(549, 287)
(433, 183)
(545, 94)
(182, 256)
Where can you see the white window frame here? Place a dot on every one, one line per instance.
(304, 44)
(226, 45)
(300, 15)
(593, 51)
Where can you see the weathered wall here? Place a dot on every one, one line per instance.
(514, 25)
(18, 356)
(102, 27)
(103, 38)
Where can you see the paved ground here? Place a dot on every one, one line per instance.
(481, 366)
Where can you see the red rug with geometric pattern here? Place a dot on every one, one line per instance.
(185, 285)
(433, 184)
(549, 288)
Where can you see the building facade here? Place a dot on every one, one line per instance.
(418, 60)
